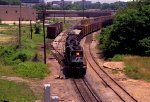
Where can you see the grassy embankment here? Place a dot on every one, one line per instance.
(18, 61)
(15, 61)
(15, 92)
(136, 67)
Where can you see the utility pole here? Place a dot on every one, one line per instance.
(31, 28)
(44, 11)
(63, 5)
(20, 18)
(83, 7)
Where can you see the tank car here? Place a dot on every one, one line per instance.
(74, 57)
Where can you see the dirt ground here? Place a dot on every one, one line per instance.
(138, 88)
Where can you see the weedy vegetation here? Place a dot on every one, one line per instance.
(15, 92)
(15, 61)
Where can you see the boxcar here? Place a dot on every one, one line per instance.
(54, 30)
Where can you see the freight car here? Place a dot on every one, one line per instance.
(88, 26)
(54, 30)
(74, 57)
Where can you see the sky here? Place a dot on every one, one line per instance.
(102, 1)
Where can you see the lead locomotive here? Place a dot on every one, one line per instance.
(74, 57)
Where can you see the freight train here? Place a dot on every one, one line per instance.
(73, 54)
(75, 63)
(74, 58)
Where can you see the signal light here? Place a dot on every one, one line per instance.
(77, 53)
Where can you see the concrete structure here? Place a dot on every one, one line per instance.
(74, 13)
(12, 13)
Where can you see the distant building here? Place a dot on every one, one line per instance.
(81, 2)
(12, 13)
(59, 3)
(68, 2)
(56, 2)
(31, 2)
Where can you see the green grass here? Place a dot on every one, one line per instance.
(32, 70)
(7, 71)
(117, 57)
(11, 56)
(137, 67)
(9, 29)
(15, 92)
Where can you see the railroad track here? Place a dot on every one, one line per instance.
(109, 82)
(81, 86)
(85, 91)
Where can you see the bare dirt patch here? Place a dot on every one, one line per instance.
(6, 38)
(114, 65)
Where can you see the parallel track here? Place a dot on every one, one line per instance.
(110, 82)
(83, 88)
(85, 91)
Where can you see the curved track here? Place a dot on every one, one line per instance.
(111, 83)
(82, 87)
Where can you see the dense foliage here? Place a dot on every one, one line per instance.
(9, 2)
(130, 32)
(97, 5)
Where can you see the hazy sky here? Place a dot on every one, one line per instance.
(102, 1)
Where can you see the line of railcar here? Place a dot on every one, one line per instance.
(73, 53)
(54, 30)
(74, 57)
(88, 26)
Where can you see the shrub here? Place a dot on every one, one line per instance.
(132, 72)
(29, 44)
(21, 56)
(145, 45)
(32, 69)
(37, 29)
(117, 57)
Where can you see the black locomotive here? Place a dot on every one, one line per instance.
(74, 58)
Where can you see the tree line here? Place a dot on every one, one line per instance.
(9, 2)
(97, 5)
(129, 33)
